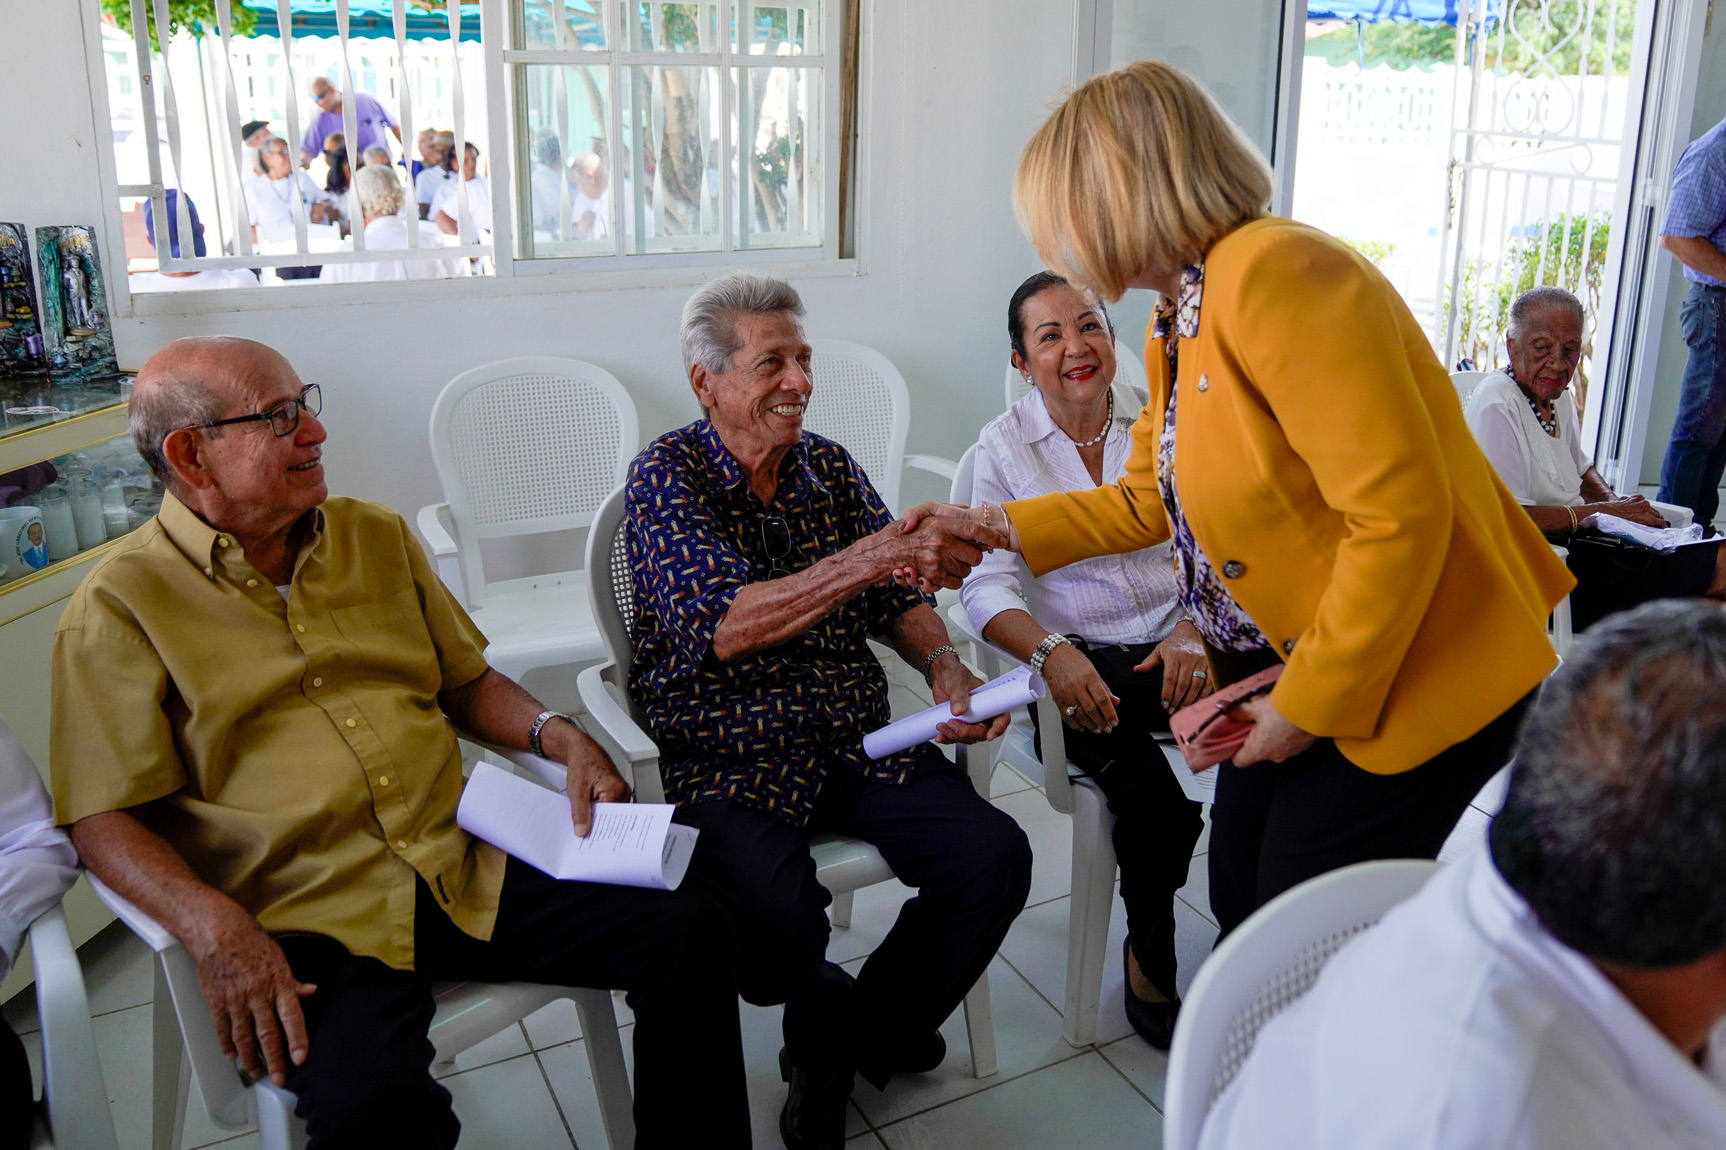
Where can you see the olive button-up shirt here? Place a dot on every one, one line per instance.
(289, 747)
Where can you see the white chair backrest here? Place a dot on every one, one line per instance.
(861, 403)
(1129, 369)
(1261, 969)
(528, 445)
(1465, 382)
(610, 587)
(964, 476)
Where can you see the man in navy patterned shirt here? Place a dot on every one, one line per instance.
(1695, 232)
(762, 562)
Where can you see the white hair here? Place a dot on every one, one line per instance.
(708, 334)
(379, 190)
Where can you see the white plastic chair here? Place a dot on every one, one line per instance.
(1260, 970)
(468, 1013)
(842, 865)
(861, 403)
(522, 447)
(1129, 369)
(1465, 382)
(1093, 878)
(74, 1114)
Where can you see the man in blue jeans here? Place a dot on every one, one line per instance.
(1695, 232)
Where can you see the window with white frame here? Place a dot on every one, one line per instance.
(610, 134)
(645, 127)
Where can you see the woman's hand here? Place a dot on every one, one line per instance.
(1074, 683)
(1186, 673)
(1634, 508)
(1273, 738)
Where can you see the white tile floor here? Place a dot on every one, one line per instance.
(529, 1087)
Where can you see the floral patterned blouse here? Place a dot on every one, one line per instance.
(1207, 602)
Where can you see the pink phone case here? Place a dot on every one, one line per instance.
(1207, 732)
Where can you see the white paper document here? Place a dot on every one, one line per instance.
(1016, 688)
(630, 844)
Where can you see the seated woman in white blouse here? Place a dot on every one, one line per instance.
(1533, 438)
(1107, 633)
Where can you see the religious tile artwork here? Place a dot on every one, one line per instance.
(75, 305)
(21, 348)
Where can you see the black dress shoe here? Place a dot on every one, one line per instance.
(922, 1055)
(813, 1117)
(1155, 1021)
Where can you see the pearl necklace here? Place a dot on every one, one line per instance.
(1108, 420)
(1550, 426)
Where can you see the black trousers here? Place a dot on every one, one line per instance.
(970, 863)
(1156, 825)
(1612, 576)
(366, 1082)
(1275, 825)
(17, 1103)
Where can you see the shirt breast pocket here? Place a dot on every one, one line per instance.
(389, 641)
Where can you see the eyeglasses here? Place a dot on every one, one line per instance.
(283, 418)
(776, 541)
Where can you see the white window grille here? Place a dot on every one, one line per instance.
(617, 133)
(646, 128)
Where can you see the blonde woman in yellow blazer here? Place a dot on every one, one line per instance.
(1328, 505)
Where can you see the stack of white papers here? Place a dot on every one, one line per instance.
(630, 844)
(1017, 688)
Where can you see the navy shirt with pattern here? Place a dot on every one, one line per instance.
(763, 730)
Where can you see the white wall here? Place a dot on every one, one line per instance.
(1669, 372)
(950, 92)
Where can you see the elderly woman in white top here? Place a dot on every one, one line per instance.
(1531, 433)
(381, 197)
(1106, 633)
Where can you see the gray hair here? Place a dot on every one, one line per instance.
(269, 145)
(1537, 299)
(376, 154)
(379, 191)
(157, 411)
(708, 334)
(1614, 828)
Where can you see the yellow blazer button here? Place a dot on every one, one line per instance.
(300, 627)
(317, 682)
(1204, 383)
(383, 780)
(251, 582)
(353, 722)
(1234, 569)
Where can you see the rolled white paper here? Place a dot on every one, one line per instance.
(1017, 688)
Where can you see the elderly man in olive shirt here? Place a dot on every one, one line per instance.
(250, 743)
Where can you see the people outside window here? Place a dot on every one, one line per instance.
(429, 154)
(385, 228)
(212, 280)
(1330, 512)
(371, 121)
(546, 184)
(271, 200)
(1559, 988)
(446, 204)
(760, 556)
(439, 173)
(256, 700)
(253, 134)
(1528, 427)
(1695, 232)
(1107, 634)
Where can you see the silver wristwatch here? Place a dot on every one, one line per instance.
(538, 726)
(1044, 649)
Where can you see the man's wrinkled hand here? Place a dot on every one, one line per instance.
(591, 777)
(254, 997)
(952, 682)
(941, 551)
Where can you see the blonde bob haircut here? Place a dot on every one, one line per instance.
(1138, 170)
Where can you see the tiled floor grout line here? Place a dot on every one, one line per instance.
(999, 1080)
(1104, 1055)
(545, 1077)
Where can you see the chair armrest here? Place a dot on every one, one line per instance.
(620, 729)
(1674, 515)
(76, 1097)
(547, 771)
(945, 468)
(437, 536)
(154, 934)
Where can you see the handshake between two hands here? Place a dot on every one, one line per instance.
(935, 545)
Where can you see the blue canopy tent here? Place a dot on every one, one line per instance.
(373, 19)
(1402, 11)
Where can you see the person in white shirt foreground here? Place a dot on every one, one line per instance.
(1116, 650)
(381, 196)
(37, 866)
(1559, 989)
(184, 281)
